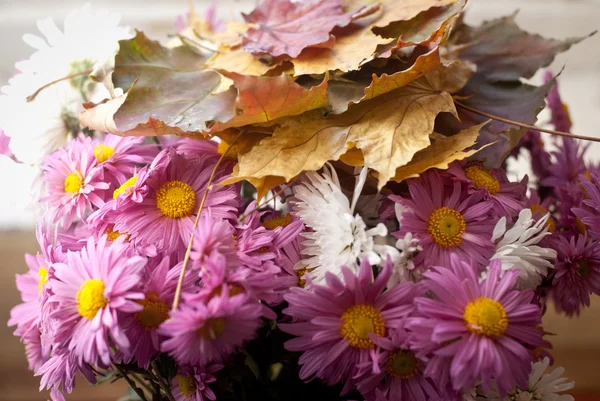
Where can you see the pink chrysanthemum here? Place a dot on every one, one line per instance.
(165, 217)
(507, 196)
(447, 221)
(158, 285)
(119, 156)
(89, 290)
(560, 117)
(214, 236)
(398, 372)
(474, 331)
(58, 373)
(576, 273)
(204, 329)
(589, 212)
(568, 163)
(540, 158)
(75, 183)
(335, 323)
(192, 384)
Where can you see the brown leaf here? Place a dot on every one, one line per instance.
(239, 61)
(429, 27)
(344, 93)
(442, 151)
(286, 28)
(355, 45)
(389, 130)
(504, 52)
(264, 99)
(169, 92)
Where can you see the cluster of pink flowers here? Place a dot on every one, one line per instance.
(447, 306)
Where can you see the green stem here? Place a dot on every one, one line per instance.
(131, 383)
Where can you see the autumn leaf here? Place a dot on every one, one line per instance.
(504, 52)
(286, 28)
(344, 93)
(264, 99)
(428, 27)
(354, 45)
(239, 61)
(442, 151)
(389, 130)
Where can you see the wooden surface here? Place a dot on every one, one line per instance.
(577, 341)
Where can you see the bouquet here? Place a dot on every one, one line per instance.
(310, 202)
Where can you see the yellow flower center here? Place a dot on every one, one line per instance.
(176, 199)
(113, 234)
(232, 154)
(486, 317)
(73, 183)
(103, 153)
(482, 178)
(154, 313)
(233, 289)
(402, 364)
(301, 278)
(579, 226)
(446, 226)
(212, 329)
(358, 322)
(274, 222)
(125, 186)
(551, 223)
(90, 298)
(187, 385)
(43, 274)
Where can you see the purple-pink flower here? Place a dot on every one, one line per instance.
(335, 323)
(192, 383)
(90, 289)
(476, 332)
(447, 220)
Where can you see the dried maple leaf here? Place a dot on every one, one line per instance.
(442, 151)
(169, 92)
(239, 61)
(286, 28)
(504, 52)
(355, 45)
(389, 130)
(264, 99)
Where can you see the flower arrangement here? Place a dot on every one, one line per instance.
(311, 203)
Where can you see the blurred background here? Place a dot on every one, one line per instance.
(577, 341)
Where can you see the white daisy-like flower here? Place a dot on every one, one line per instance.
(406, 250)
(516, 248)
(338, 237)
(40, 126)
(541, 386)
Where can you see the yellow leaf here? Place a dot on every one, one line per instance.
(443, 151)
(354, 46)
(405, 10)
(388, 129)
(239, 61)
(353, 157)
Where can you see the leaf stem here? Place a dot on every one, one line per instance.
(186, 258)
(523, 125)
(32, 97)
(131, 383)
(156, 376)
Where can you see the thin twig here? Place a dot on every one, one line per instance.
(32, 97)
(131, 383)
(163, 385)
(518, 124)
(275, 195)
(186, 258)
(141, 382)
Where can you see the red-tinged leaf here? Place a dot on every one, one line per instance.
(264, 99)
(287, 28)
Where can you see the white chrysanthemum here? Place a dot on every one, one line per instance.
(88, 37)
(37, 128)
(407, 249)
(338, 237)
(516, 248)
(541, 386)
